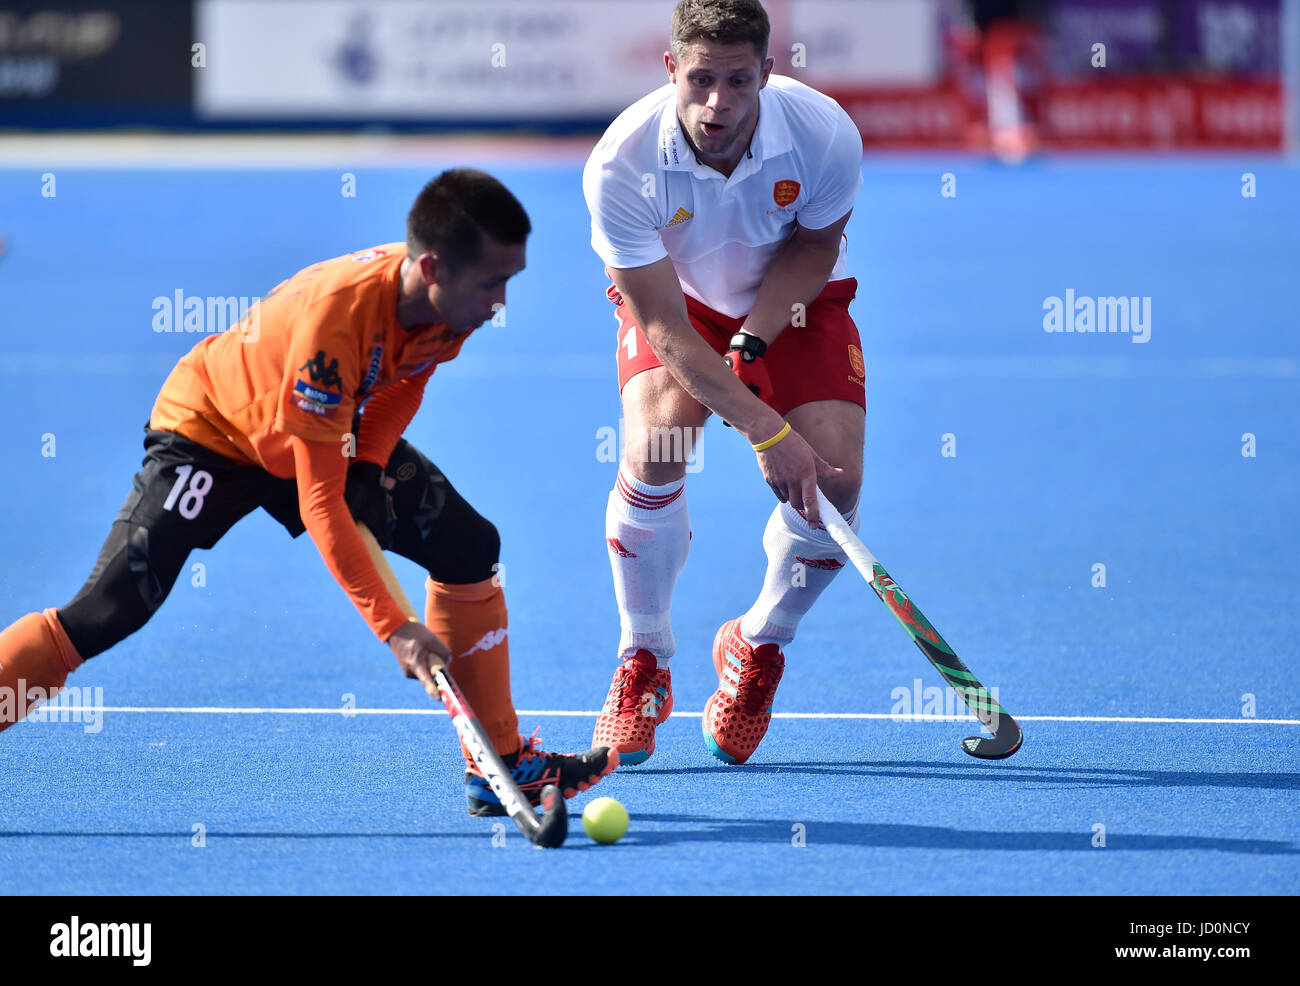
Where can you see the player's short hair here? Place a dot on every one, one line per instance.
(453, 213)
(726, 22)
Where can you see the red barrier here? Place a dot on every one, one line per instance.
(1150, 112)
(1162, 112)
(937, 116)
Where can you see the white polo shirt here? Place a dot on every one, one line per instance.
(650, 198)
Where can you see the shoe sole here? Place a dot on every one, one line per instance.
(718, 751)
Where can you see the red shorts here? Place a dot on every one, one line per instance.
(820, 360)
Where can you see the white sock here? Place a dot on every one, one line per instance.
(801, 562)
(648, 531)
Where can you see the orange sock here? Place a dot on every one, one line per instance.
(471, 620)
(35, 653)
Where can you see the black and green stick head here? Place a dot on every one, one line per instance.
(1005, 741)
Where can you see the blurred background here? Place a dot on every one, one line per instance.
(1014, 77)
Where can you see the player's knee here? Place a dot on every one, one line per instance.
(660, 453)
(487, 541)
(103, 617)
(470, 555)
(662, 425)
(128, 585)
(843, 489)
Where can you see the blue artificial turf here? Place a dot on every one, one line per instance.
(1072, 450)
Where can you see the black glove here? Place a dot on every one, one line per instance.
(370, 502)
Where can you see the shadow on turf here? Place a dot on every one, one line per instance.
(704, 828)
(973, 770)
(885, 836)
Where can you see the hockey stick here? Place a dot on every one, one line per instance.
(549, 830)
(1006, 731)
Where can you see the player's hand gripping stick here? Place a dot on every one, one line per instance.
(547, 831)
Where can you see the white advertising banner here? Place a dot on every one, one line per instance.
(854, 43)
(414, 59)
(485, 60)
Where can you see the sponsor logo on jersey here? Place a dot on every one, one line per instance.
(406, 470)
(326, 376)
(326, 397)
(489, 640)
(785, 192)
(318, 389)
(370, 255)
(311, 407)
(372, 371)
(668, 147)
(680, 217)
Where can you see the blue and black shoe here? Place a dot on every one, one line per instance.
(533, 769)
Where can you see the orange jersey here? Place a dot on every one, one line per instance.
(279, 391)
(300, 362)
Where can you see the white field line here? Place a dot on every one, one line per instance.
(55, 709)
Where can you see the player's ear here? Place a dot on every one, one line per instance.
(670, 64)
(767, 70)
(430, 268)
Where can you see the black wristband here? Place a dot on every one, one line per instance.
(751, 346)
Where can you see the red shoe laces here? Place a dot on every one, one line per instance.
(531, 747)
(758, 682)
(636, 682)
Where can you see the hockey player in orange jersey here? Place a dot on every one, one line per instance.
(300, 410)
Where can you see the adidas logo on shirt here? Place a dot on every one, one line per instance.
(681, 216)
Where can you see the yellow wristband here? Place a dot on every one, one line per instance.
(764, 446)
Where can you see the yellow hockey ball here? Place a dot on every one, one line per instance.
(605, 820)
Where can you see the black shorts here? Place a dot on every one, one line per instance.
(186, 496)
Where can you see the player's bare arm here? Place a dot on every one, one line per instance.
(790, 467)
(798, 273)
(419, 651)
